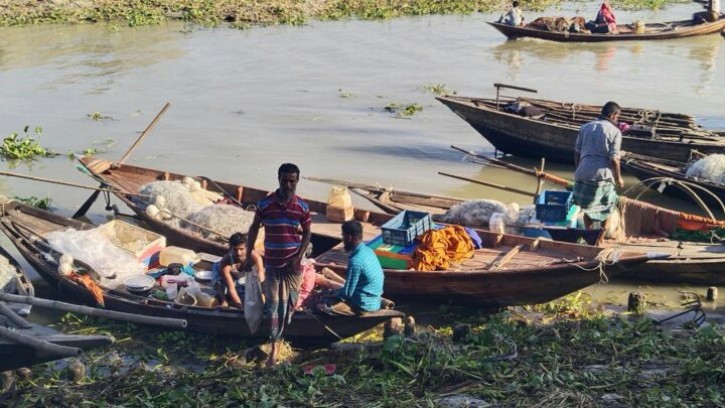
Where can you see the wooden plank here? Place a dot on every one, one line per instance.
(510, 254)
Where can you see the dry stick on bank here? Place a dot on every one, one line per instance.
(92, 311)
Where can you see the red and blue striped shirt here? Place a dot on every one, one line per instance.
(283, 226)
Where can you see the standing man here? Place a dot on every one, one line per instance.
(286, 220)
(363, 279)
(597, 160)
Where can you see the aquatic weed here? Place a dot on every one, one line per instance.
(24, 147)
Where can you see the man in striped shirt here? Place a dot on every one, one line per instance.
(286, 220)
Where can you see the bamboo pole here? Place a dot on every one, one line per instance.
(143, 135)
(488, 184)
(92, 311)
(40, 345)
(547, 176)
(59, 182)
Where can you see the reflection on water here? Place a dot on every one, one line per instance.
(707, 54)
(85, 52)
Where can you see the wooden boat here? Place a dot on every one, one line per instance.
(665, 135)
(690, 262)
(12, 326)
(127, 180)
(646, 167)
(626, 32)
(508, 270)
(27, 226)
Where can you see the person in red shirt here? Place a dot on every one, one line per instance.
(287, 221)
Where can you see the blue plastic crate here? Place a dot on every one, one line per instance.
(554, 205)
(402, 229)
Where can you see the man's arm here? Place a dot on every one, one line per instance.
(251, 239)
(227, 275)
(614, 164)
(306, 236)
(351, 279)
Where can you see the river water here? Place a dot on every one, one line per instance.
(242, 102)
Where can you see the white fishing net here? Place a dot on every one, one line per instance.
(710, 168)
(187, 205)
(477, 213)
(93, 247)
(224, 219)
(170, 197)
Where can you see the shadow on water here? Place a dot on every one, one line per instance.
(426, 152)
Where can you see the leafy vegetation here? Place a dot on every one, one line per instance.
(404, 110)
(564, 353)
(16, 147)
(33, 201)
(438, 89)
(246, 13)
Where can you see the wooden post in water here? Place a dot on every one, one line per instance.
(711, 294)
(636, 302)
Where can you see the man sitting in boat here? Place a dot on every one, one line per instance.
(597, 159)
(226, 271)
(514, 16)
(363, 288)
(605, 22)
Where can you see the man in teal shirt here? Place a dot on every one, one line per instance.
(364, 277)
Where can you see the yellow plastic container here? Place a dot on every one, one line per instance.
(339, 205)
(174, 254)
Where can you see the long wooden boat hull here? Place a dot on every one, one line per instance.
(536, 138)
(127, 180)
(690, 263)
(535, 278)
(660, 31)
(305, 328)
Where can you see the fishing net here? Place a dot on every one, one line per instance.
(477, 213)
(711, 168)
(224, 219)
(172, 198)
(94, 248)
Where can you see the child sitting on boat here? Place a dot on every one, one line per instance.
(314, 283)
(514, 16)
(227, 271)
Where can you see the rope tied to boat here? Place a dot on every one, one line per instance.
(574, 107)
(602, 258)
(646, 116)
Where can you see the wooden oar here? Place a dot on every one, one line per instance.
(488, 184)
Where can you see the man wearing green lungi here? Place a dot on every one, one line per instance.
(597, 159)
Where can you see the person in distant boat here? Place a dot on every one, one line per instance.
(226, 271)
(514, 16)
(287, 231)
(597, 165)
(605, 22)
(363, 289)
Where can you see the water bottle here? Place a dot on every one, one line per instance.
(171, 289)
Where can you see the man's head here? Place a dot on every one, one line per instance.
(515, 3)
(238, 245)
(611, 111)
(288, 176)
(352, 234)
